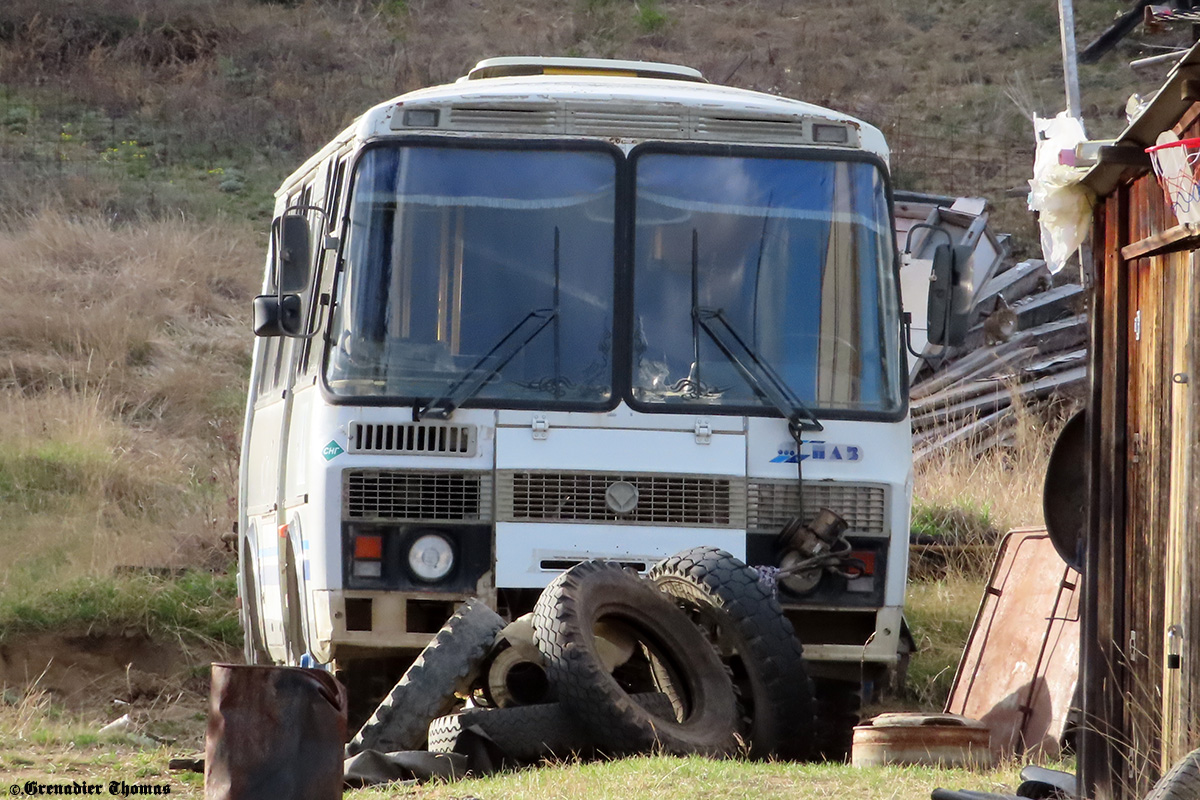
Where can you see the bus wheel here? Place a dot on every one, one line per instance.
(756, 642)
(602, 593)
(448, 665)
(297, 646)
(838, 704)
(254, 649)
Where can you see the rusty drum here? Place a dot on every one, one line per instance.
(275, 732)
(932, 739)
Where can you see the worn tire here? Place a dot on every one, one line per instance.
(527, 733)
(446, 666)
(563, 623)
(1182, 782)
(756, 642)
(838, 704)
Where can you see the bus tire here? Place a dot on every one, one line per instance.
(254, 649)
(756, 642)
(527, 733)
(447, 666)
(296, 641)
(563, 622)
(1182, 782)
(838, 704)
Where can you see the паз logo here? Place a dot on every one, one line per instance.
(817, 450)
(332, 451)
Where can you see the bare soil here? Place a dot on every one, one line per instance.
(61, 688)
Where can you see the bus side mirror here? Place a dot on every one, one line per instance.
(293, 266)
(950, 294)
(278, 315)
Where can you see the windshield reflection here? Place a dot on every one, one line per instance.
(450, 248)
(795, 254)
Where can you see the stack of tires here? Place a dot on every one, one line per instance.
(696, 657)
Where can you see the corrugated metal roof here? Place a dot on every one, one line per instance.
(1163, 112)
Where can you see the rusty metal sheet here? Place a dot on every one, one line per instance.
(1021, 662)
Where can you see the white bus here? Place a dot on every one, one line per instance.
(566, 309)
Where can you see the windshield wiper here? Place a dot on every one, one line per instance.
(758, 373)
(486, 367)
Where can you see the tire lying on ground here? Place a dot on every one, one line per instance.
(528, 733)
(564, 621)
(1182, 782)
(448, 665)
(756, 641)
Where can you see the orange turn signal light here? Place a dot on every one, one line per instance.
(370, 547)
(867, 557)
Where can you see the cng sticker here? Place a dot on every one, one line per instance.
(332, 451)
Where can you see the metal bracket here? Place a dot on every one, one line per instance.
(541, 427)
(703, 432)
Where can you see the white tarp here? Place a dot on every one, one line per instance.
(1063, 204)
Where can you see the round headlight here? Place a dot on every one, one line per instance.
(431, 557)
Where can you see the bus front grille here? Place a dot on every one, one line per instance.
(692, 500)
(411, 438)
(770, 504)
(416, 495)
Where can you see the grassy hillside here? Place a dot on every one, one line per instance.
(140, 142)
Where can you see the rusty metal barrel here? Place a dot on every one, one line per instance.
(948, 740)
(275, 732)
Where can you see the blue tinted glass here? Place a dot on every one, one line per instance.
(795, 254)
(451, 249)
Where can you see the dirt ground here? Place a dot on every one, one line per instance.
(61, 689)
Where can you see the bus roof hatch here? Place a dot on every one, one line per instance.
(511, 66)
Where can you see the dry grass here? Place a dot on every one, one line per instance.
(968, 498)
(211, 82)
(1004, 483)
(123, 354)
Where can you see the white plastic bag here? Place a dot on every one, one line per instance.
(1064, 204)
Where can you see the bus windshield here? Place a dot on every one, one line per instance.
(452, 250)
(791, 259)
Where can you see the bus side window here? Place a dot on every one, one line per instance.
(305, 364)
(333, 195)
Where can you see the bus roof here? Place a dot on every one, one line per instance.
(607, 103)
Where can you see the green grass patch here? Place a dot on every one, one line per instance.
(38, 477)
(940, 615)
(650, 17)
(962, 522)
(669, 778)
(195, 605)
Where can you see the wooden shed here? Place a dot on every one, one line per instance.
(1141, 633)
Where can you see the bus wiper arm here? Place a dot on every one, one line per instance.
(486, 367)
(757, 372)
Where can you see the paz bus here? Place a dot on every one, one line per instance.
(566, 309)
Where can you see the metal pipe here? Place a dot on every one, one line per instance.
(1162, 58)
(1066, 29)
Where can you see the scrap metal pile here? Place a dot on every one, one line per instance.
(1026, 348)
(695, 657)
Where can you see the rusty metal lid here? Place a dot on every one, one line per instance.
(909, 719)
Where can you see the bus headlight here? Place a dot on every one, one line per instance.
(431, 557)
